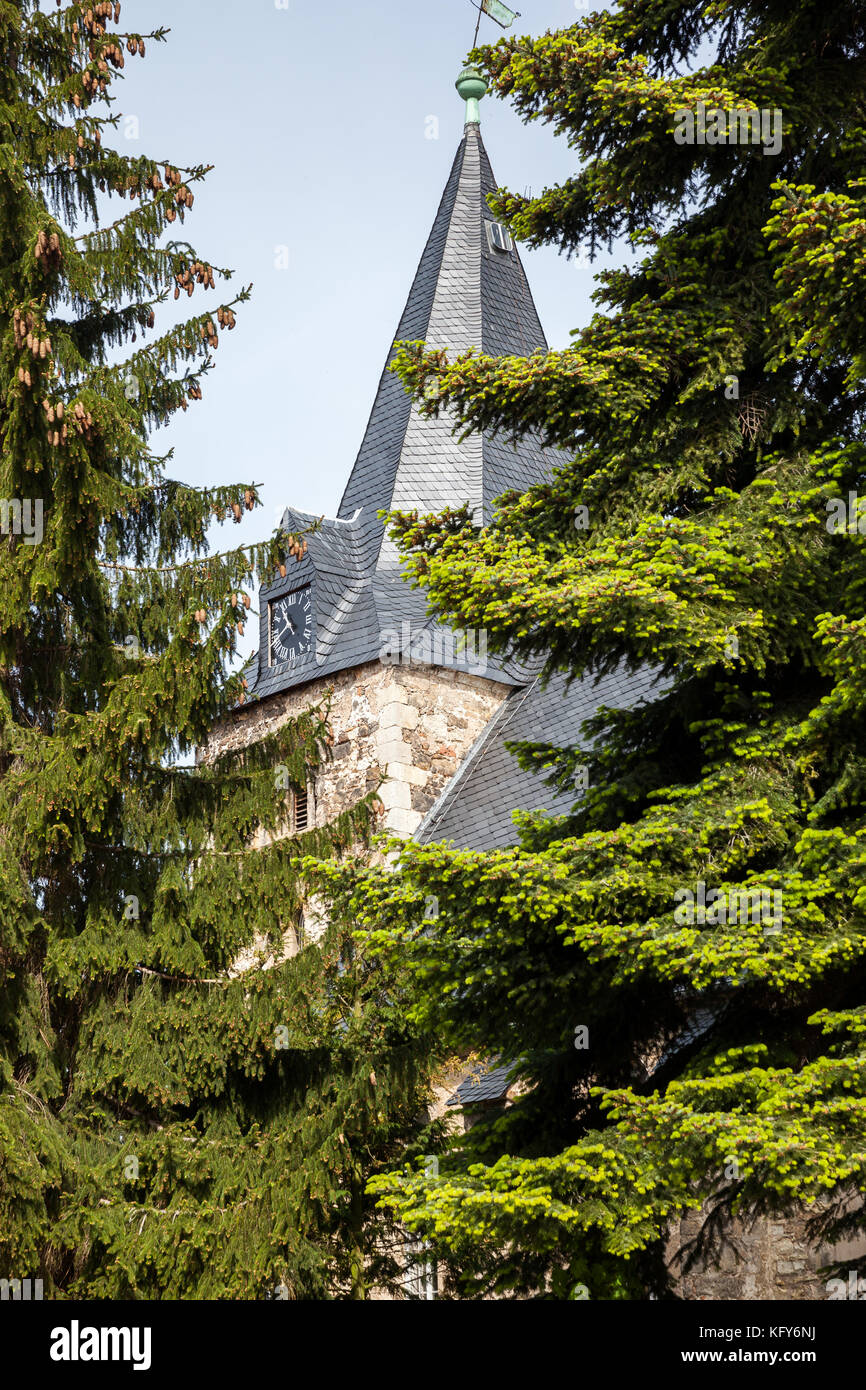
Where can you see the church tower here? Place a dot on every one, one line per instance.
(409, 700)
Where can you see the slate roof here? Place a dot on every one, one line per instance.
(475, 809)
(481, 1085)
(466, 294)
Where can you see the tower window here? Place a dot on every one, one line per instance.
(300, 817)
(498, 237)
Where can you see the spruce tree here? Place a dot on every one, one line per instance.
(170, 1126)
(710, 417)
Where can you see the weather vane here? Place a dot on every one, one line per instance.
(498, 12)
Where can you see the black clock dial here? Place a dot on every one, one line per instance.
(291, 626)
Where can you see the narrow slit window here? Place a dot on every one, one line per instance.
(301, 817)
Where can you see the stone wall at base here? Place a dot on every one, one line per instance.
(769, 1259)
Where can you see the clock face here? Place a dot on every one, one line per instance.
(290, 623)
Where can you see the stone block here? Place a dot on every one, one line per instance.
(398, 715)
(386, 690)
(403, 822)
(393, 751)
(422, 800)
(447, 765)
(405, 772)
(395, 795)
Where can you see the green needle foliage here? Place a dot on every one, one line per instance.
(169, 1127)
(704, 525)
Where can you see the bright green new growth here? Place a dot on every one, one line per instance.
(168, 1128)
(711, 420)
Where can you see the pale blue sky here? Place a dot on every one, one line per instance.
(314, 117)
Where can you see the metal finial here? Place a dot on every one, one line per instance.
(471, 86)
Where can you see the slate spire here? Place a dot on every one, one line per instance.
(470, 290)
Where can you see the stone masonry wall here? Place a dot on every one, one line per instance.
(771, 1259)
(415, 723)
